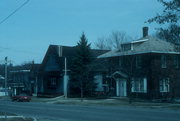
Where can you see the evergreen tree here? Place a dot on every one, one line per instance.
(171, 18)
(81, 79)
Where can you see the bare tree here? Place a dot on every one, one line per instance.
(117, 38)
(102, 43)
(113, 41)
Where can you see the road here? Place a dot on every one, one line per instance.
(62, 112)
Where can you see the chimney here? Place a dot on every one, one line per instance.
(145, 31)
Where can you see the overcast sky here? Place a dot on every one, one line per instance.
(26, 35)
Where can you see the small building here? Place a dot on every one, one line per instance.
(23, 79)
(146, 68)
(55, 69)
(2, 80)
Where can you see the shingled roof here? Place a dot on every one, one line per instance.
(147, 44)
(65, 51)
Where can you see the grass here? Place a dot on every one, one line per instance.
(93, 102)
(17, 119)
(110, 102)
(118, 102)
(174, 107)
(13, 119)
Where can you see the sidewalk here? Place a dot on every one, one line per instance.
(107, 102)
(112, 101)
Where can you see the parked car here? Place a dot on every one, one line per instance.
(21, 97)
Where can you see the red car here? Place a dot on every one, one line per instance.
(21, 97)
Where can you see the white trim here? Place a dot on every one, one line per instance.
(136, 41)
(60, 50)
(145, 85)
(117, 87)
(141, 90)
(164, 84)
(136, 53)
(132, 46)
(141, 40)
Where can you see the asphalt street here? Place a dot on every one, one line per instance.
(62, 112)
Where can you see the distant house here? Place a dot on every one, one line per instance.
(2, 84)
(23, 79)
(1, 81)
(57, 61)
(146, 68)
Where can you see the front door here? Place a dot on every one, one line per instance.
(121, 87)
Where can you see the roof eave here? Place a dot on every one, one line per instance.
(136, 53)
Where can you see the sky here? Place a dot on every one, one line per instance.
(26, 35)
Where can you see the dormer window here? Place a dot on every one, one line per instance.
(126, 47)
(131, 46)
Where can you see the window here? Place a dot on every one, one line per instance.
(163, 61)
(98, 79)
(139, 85)
(52, 82)
(176, 61)
(164, 85)
(120, 62)
(138, 61)
(126, 47)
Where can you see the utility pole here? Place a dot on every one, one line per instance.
(65, 78)
(6, 61)
(36, 85)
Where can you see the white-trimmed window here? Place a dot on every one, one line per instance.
(98, 79)
(163, 61)
(138, 61)
(139, 85)
(164, 85)
(176, 61)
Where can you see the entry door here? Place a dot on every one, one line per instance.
(122, 86)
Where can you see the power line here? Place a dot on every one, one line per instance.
(17, 9)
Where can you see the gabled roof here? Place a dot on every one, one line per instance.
(69, 52)
(58, 51)
(119, 74)
(147, 45)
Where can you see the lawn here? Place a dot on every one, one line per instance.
(17, 119)
(2, 115)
